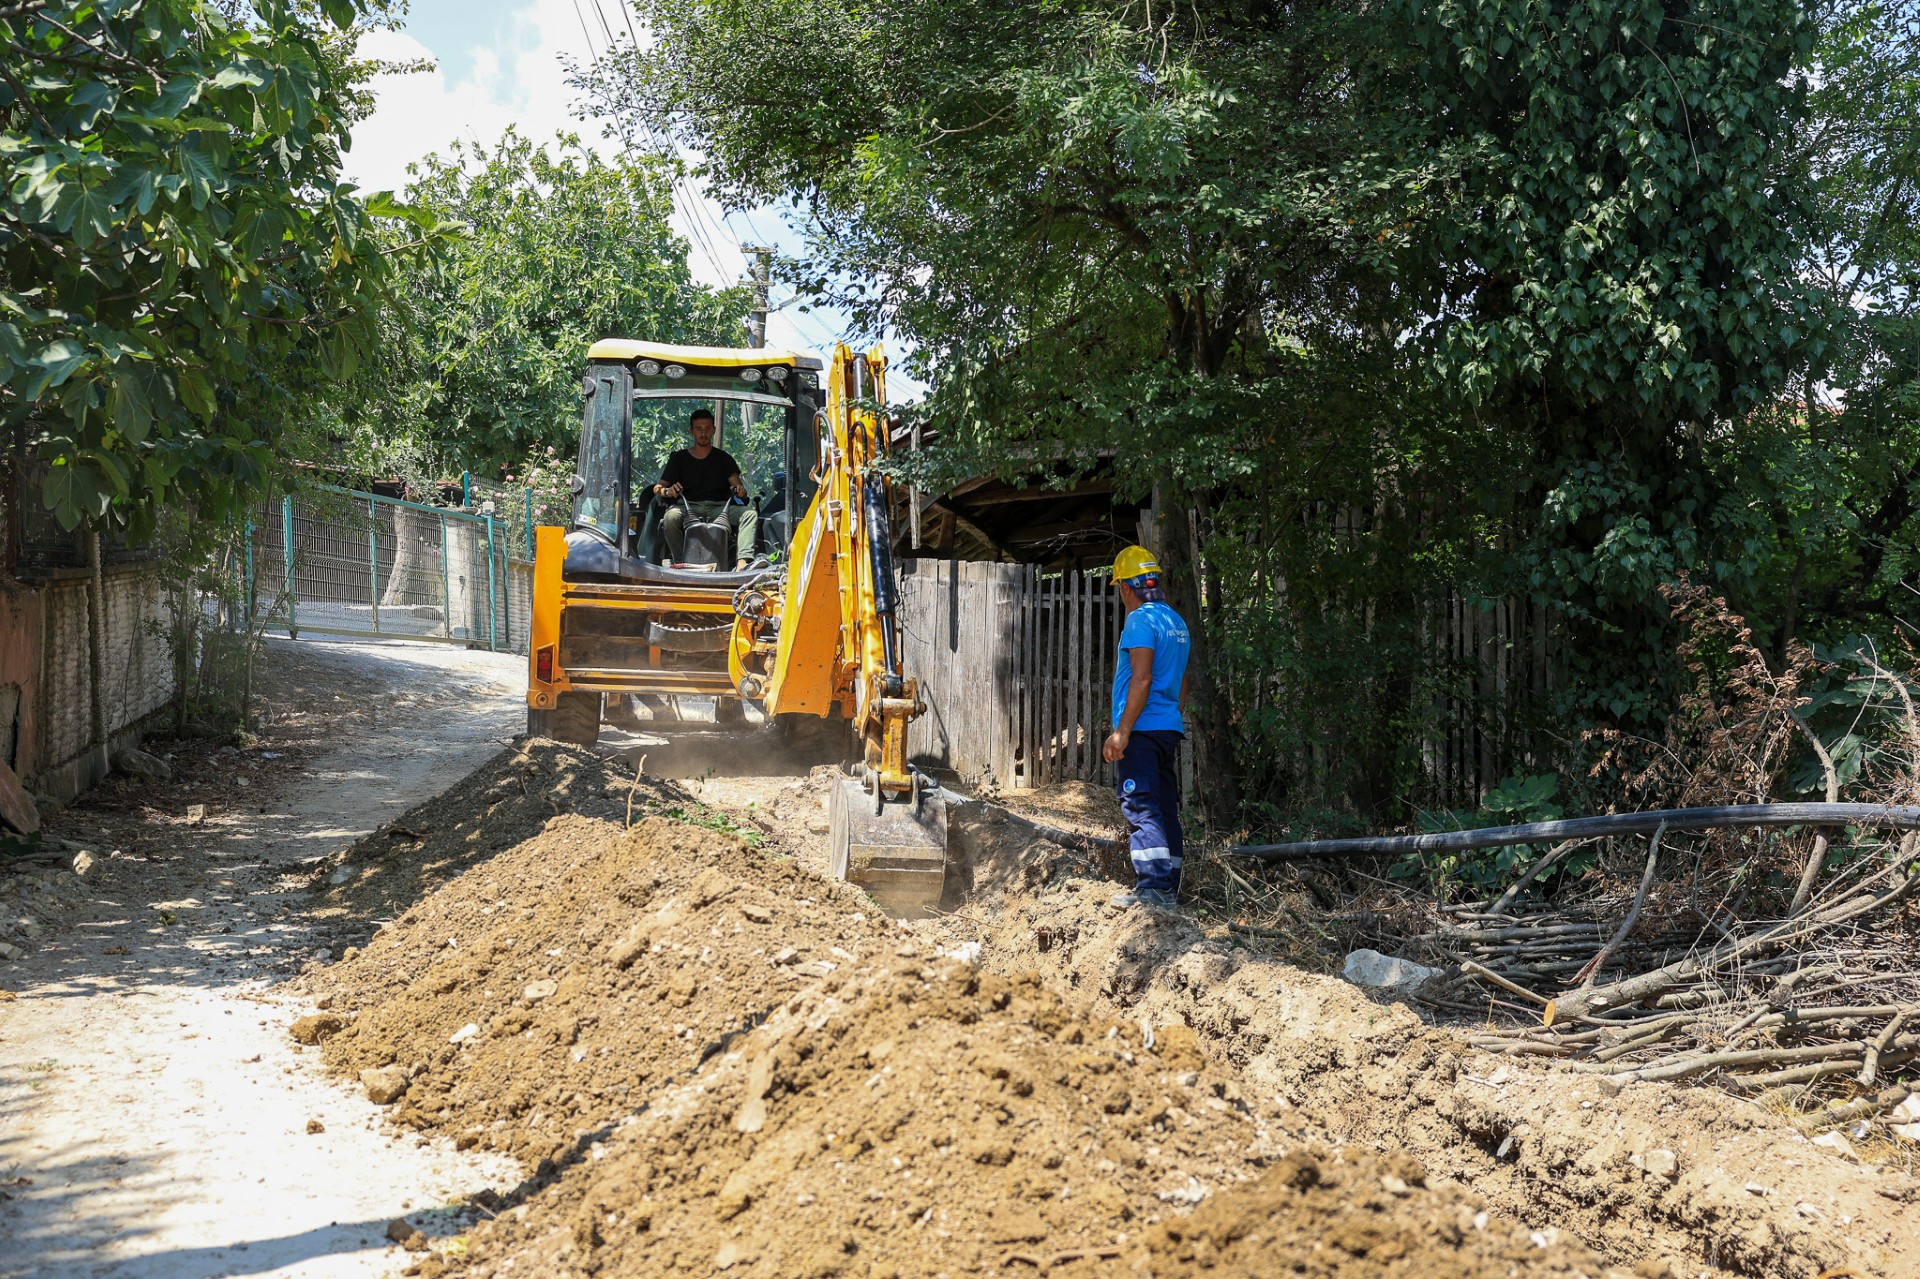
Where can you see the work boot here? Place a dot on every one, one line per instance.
(1145, 897)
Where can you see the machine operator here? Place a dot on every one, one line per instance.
(709, 480)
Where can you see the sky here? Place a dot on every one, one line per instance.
(498, 64)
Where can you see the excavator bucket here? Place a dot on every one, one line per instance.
(897, 854)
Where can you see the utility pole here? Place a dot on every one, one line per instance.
(761, 281)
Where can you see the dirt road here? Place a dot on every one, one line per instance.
(156, 1120)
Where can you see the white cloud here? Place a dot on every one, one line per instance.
(518, 80)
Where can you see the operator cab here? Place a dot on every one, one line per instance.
(639, 400)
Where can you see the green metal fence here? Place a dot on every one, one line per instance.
(331, 561)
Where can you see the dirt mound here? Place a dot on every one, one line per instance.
(1648, 1171)
(1329, 1218)
(543, 992)
(924, 1120)
(499, 805)
(715, 1059)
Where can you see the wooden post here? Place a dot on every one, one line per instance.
(97, 646)
(1042, 766)
(1082, 654)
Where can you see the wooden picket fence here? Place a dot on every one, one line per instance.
(1016, 668)
(1017, 671)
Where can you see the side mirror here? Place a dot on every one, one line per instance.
(576, 486)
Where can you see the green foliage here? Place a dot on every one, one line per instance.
(1392, 307)
(561, 247)
(176, 252)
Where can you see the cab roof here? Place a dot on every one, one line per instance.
(721, 356)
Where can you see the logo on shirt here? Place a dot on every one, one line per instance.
(1126, 787)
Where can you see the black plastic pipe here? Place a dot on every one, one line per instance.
(1902, 817)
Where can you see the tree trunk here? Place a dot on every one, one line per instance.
(1216, 785)
(416, 578)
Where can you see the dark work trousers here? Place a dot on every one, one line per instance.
(1149, 785)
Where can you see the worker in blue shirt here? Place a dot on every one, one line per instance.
(1149, 683)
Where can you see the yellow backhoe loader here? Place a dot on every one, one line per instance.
(807, 633)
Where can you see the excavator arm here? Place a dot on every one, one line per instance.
(826, 641)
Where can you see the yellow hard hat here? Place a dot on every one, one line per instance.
(1135, 561)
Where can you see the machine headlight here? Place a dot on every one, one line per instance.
(648, 368)
(749, 376)
(776, 374)
(676, 370)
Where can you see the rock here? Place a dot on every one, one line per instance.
(384, 1084)
(465, 1033)
(315, 1027)
(756, 914)
(323, 1003)
(539, 990)
(1376, 971)
(82, 862)
(816, 825)
(639, 939)
(403, 1232)
(196, 813)
(1908, 1112)
(315, 1126)
(786, 957)
(141, 767)
(1661, 1163)
(10, 951)
(1835, 1142)
(734, 1195)
(341, 875)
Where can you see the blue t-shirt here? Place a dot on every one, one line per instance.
(1156, 626)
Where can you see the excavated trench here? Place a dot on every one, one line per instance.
(707, 1057)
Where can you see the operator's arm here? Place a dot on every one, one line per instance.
(669, 485)
(738, 485)
(1139, 684)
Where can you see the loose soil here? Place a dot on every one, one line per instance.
(692, 1053)
(716, 1059)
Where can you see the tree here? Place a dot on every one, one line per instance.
(560, 247)
(177, 252)
(1388, 304)
(1097, 222)
(1621, 285)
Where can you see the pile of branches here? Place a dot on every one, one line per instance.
(1829, 991)
(1741, 957)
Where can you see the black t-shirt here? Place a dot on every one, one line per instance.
(705, 477)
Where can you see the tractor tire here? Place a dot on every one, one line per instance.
(575, 718)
